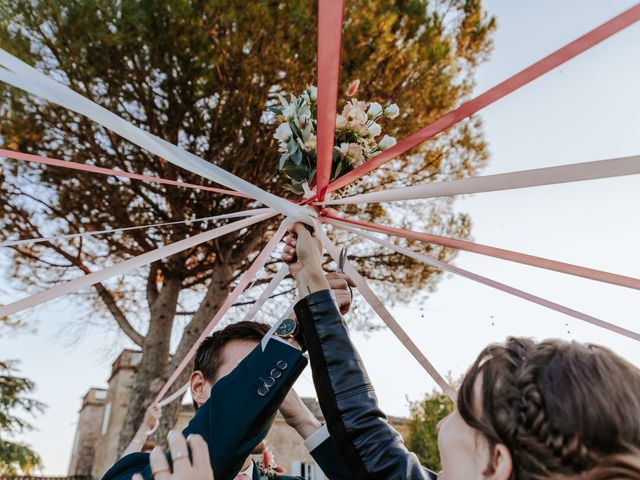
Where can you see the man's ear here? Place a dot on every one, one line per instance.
(199, 389)
(501, 463)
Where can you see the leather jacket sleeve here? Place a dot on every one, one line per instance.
(371, 448)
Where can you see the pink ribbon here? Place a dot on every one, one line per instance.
(329, 46)
(513, 83)
(244, 281)
(389, 320)
(501, 253)
(497, 285)
(107, 171)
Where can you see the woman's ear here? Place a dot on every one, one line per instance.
(199, 389)
(501, 463)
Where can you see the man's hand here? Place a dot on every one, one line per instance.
(298, 416)
(341, 284)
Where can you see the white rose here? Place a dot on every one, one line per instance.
(391, 111)
(374, 129)
(289, 111)
(344, 148)
(387, 142)
(283, 133)
(375, 109)
(356, 153)
(313, 93)
(341, 122)
(310, 144)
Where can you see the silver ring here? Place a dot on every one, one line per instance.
(179, 456)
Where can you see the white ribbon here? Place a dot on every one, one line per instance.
(386, 316)
(245, 213)
(494, 284)
(577, 172)
(175, 395)
(266, 294)
(25, 77)
(128, 265)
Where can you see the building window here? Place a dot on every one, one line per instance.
(105, 418)
(101, 394)
(308, 471)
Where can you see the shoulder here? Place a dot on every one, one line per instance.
(125, 467)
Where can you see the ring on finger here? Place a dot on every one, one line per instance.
(153, 474)
(179, 456)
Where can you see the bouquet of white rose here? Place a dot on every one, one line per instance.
(356, 136)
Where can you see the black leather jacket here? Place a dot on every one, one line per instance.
(371, 448)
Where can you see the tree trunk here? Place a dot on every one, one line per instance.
(155, 357)
(217, 292)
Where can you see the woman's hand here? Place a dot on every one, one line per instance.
(152, 416)
(302, 252)
(199, 468)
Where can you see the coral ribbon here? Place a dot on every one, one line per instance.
(501, 253)
(107, 171)
(330, 14)
(497, 285)
(508, 86)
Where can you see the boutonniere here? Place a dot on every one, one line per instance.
(268, 465)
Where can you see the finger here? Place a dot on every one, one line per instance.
(301, 230)
(338, 284)
(343, 276)
(159, 465)
(199, 453)
(137, 476)
(179, 453)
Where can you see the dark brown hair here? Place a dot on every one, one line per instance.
(209, 354)
(563, 409)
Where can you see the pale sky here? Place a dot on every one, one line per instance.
(585, 110)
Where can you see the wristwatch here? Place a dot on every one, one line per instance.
(288, 328)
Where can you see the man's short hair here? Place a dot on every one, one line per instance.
(209, 354)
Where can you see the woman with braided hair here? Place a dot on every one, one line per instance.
(553, 409)
(526, 410)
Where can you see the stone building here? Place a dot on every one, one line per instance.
(102, 414)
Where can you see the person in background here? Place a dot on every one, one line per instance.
(526, 410)
(139, 442)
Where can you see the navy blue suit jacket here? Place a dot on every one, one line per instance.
(239, 414)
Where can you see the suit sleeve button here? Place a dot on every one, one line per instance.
(281, 365)
(268, 382)
(275, 373)
(262, 391)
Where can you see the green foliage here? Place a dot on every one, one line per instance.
(16, 457)
(423, 436)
